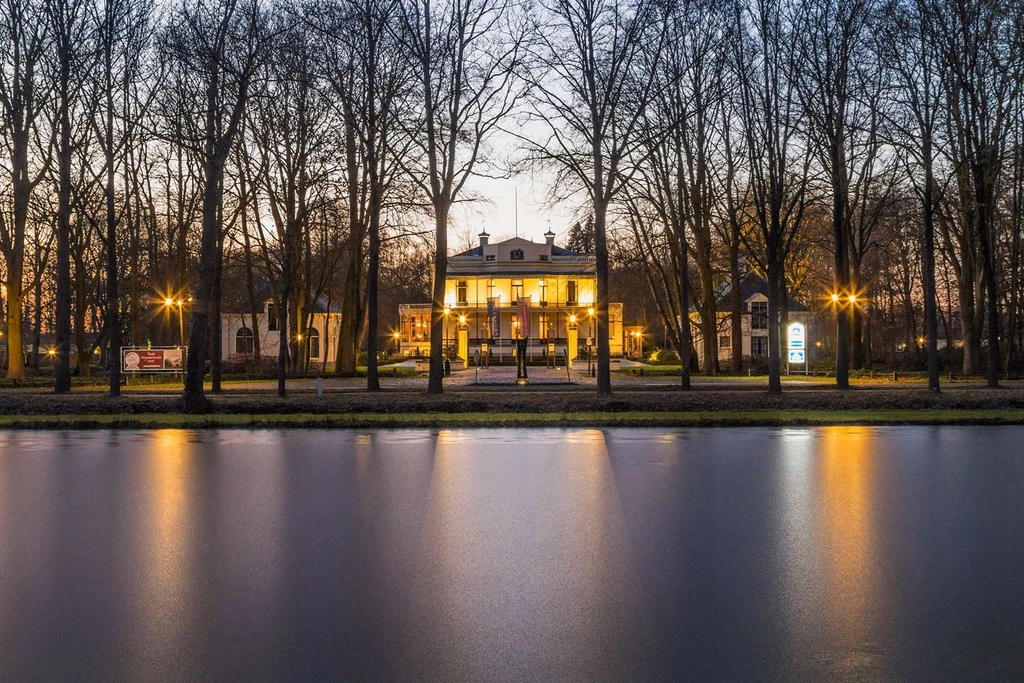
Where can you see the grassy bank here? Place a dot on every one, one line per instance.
(722, 418)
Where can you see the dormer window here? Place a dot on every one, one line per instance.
(516, 255)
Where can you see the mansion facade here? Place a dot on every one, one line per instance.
(485, 288)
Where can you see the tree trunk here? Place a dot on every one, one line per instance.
(686, 343)
(216, 342)
(372, 279)
(604, 377)
(37, 328)
(81, 296)
(194, 397)
(250, 287)
(435, 382)
(774, 337)
(15, 344)
(841, 281)
(931, 324)
(736, 301)
(62, 360)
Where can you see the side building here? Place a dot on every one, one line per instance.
(754, 321)
(238, 334)
(561, 287)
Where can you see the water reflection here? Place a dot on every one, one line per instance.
(164, 629)
(499, 509)
(814, 554)
(845, 494)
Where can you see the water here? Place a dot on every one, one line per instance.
(539, 555)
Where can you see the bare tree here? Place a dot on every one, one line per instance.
(223, 43)
(23, 96)
(290, 129)
(465, 57)
(368, 74)
(594, 79)
(909, 50)
(982, 48)
(832, 36)
(124, 31)
(778, 173)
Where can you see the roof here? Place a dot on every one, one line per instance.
(264, 296)
(521, 242)
(751, 285)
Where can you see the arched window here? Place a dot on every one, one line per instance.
(243, 341)
(314, 343)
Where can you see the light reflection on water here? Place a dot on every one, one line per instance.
(576, 554)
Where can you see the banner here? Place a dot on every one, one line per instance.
(493, 318)
(524, 317)
(152, 360)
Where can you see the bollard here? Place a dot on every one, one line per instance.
(319, 386)
(895, 376)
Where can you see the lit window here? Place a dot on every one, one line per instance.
(517, 290)
(314, 343)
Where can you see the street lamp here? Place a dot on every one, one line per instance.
(398, 342)
(638, 343)
(179, 303)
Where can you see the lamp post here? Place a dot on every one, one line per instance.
(171, 303)
(444, 335)
(590, 342)
(638, 343)
(398, 342)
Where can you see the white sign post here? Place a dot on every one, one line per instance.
(797, 346)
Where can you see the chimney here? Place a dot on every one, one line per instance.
(483, 238)
(549, 237)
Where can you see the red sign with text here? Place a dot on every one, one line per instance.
(151, 360)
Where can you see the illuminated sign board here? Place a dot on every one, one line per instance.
(797, 344)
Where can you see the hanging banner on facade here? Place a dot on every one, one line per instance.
(524, 317)
(493, 319)
(152, 360)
